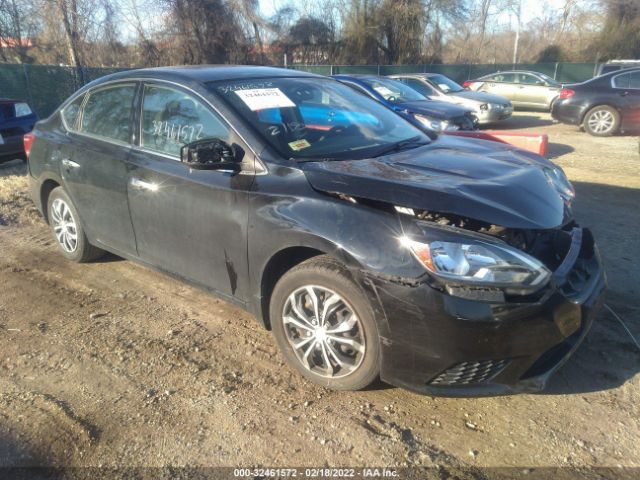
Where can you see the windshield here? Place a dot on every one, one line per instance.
(548, 79)
(393, 91)
(316, 118)
(445, 84)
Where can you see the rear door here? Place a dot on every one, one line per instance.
(192, 223)
(501, 84)
(93, 164)
(627, 87)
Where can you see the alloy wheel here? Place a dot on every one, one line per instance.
(64, 225)
(324, 331)
(601, 121)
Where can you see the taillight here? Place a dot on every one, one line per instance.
(28, 141)
(467, 83)
(566, 93)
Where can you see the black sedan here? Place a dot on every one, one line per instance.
(16, 119)
(448, 266)
(604, 105)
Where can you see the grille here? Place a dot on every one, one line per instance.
(466, 373)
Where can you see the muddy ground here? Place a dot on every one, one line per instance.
(112, 364)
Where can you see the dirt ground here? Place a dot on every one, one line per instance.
(112, 364)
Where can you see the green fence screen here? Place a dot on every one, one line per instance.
(47, 86)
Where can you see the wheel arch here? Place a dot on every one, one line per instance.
(597, 104)
(280, 263)
(286, 258)
(46, 187)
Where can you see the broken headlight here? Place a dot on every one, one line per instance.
(479, 263)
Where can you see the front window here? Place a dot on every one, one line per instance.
(315, 118)
(172, 118)
(420, 86)
(392, 90)
(548, 79)
(445, 84)
(526, 79)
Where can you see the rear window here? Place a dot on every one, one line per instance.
(23, 110)
(501, 77)
(71, 112)
(107, 113)
(627, 80)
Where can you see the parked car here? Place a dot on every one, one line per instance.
(616, 65)
(522, 88)
(487, 107)
(603, 105)
(449, 266)
(415, 107)
(16, 119)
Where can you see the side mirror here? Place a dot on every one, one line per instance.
(210, 154)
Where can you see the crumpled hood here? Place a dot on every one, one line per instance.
(477, 179)
(434, 109)
(481, 97)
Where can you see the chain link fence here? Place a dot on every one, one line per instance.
(562, 72)
(47, 86)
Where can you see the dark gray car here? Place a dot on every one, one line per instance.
(445, 265)
(487, 107)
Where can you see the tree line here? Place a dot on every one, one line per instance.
(127, 33)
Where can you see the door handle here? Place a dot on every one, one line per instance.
(69, 163)
(624, 94)
(137, 183)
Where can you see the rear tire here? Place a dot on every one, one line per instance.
(601, 121)
(67, 230)
(324, 325)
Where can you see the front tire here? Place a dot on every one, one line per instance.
(324, 325)
(67, 230)
(601, 121)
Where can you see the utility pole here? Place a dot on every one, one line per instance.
(518, 6)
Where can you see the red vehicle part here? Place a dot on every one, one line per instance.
(533, 142)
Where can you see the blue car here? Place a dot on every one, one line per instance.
(16, 119)
(415, 107)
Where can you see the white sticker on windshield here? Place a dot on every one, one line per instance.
(261, 98)
(384, 91)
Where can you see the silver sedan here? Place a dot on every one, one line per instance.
(487, 108)
(525, 89)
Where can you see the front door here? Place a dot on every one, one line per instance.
(532, 91)
(192, 223)
(94, 165)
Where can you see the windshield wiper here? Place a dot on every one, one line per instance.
(412, 142)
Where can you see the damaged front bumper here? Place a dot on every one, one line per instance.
(440, 344)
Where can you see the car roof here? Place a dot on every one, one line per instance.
(514, 71)
(11, 100)
(206, 73)
(418, 74)
(357, 76)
